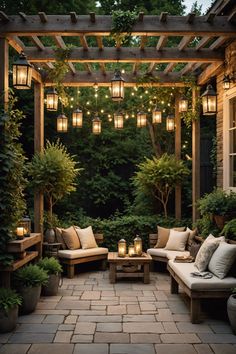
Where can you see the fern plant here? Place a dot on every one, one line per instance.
(9, 299)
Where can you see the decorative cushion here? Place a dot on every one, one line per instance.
(206, 251)
(80, 253)
(87, 238)
(59, 237)
(163, 235)
(192, 234)
(177, 240)
(222, 260)
(195, 247)
(71, 238)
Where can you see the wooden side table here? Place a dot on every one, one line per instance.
(51, 249)
(143, 261)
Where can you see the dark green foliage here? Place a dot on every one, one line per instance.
(229, 230)
(219, 202)
(206, 226)
(50, 265)
(31, 276)
(9, 299)
(125, 227)
(12, 181)
(122, 25)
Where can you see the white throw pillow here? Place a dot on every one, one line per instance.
(86, 237)
(222, 260)
(177, 240)
(206, 251)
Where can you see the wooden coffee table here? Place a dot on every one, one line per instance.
(142, 263)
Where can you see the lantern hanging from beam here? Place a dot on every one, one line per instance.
(96, 126)
(226, 82)
(22, 73)
(141, 119)
(52, 99)
(183, 104)
(156, 116)
(209, 101)
(77, 118)
(170, 123)
(117, 87)
(118, 121)
(62, 123)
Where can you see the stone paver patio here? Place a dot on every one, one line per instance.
(90, 315)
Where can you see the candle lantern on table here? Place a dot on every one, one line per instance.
(20, 232)
(122, 248)
(25, 223)
(138, 249)
(131, 251)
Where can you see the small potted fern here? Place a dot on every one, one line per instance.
(29, 281)
(53, 268)
(9, 304)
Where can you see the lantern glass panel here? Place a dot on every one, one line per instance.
(22, 74)
(62, 124)
(131, 251)
(183, 105)
(170, 124)
(77, 118)
(122, 248)
(118, 121)
(138, 248)
(141, 119)
(52, 100)
(209, 101)
(24, 223)
(156, 116)
(117, 87)
(97, 126)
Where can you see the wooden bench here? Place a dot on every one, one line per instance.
(71, 262)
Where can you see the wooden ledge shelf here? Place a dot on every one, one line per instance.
(20, 262)
(21, 245)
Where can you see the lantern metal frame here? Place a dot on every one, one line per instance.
(209, 101)
(141, 119)
(170, 123)
(22, 73)
(62, 123)
(25, 222)
(227, 80)
(156, 115)
(183, 104)
(52, 99)
(118, 120)
(96, 123)
(117, 87)
(77, 118)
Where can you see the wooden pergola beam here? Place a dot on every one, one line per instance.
(202, 42)
(128, 55)
(151, 25)
(169, 68)
(184, 42)
(209, 72)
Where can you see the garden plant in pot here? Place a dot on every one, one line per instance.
(29, 281)
(9, 305)
(53, 269)
(231, 309)
(53, 173)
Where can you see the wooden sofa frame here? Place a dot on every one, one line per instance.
(70, 263)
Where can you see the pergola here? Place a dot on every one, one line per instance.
(202, 40)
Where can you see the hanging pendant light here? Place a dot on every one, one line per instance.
(22, 73)
(209, 101)
(117, 87)
(156, 116)
(141, 119)
(96, 126)
(170, 123)
(52, 99)
(183, 104)
(226, 82)
(77, 118)
(62, 123)
(118, 121)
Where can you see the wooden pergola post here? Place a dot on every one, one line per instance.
(195, 157)
(38, 146)
(177, 155)
(4, 70)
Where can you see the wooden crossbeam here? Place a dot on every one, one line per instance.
(73, 17)
(163, 17)
(36, 76)
(210, 71)
(128, 55)
(210, 17)
(83, 42)
(23, 16)
(37, 42)
(218, 43)
(151, 25)
(202, 43)
(135, 68)
(161, 42)
(16, 43)
(103, 68)
(99, 42)
(4, 18)
(89, 69)
(188, 67)
(143, 42)
(169, 68)
(232, 17)
(190, 18)
(184, 42)
(84, 78)
(151, 68)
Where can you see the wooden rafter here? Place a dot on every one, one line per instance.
(135, 68)
(209, 72)
(169, 68)
(184, 42)
(203, 42)
(218, 43)
(161, 42)
(84, 42)
(128, 55)
(61, 44)
(143, 42)
(188, 67)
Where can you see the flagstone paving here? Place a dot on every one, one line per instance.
(90, 315)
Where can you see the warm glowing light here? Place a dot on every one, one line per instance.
(62, 123)
(117, 87)
(22, 73)
(96, 126)
(122, 248)
(77, 118)
(209, 101)
(183, 104)
(138, 248)
(52, 100)
(170, 123)
(118, 121)
(156, 116)
(141, 119)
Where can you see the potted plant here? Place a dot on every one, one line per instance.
(29, 281)
(53, 173)
(231, 309)
(9, 305)
(229, 230)
(53, 269)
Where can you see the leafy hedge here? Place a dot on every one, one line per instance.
(126, 227)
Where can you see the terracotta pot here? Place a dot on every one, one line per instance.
(8, 320)
(51, 289)
(220, 221)
(231, 309)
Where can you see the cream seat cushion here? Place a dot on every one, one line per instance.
(80, 253)
(183, 270)
(177, 240)
(161, 252)
(86, 237)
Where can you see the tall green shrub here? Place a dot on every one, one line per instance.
(12, 181)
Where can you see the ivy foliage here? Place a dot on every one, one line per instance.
(122, 24)
(12, 181)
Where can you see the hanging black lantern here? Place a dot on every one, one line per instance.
(118, 121)
(209, 101)
(62, 123)
(117, 87)
(97, 126)
(52, 99)
(141, 119)
(22, 73)
(156, 116)
(77, 118)
(170, 123)
(226, 82)
(183, 104)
